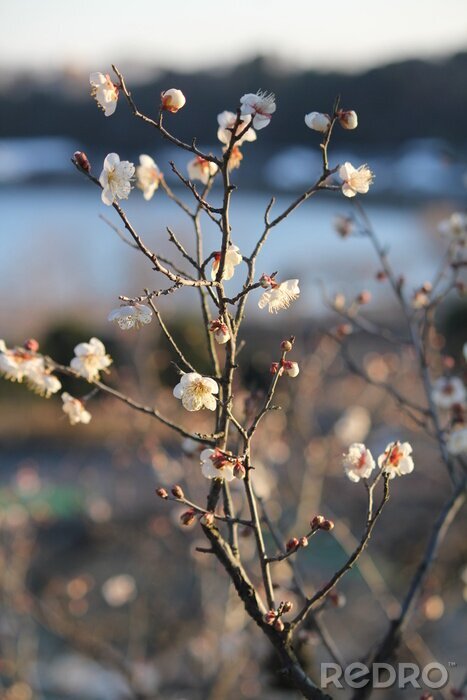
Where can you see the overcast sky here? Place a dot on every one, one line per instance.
(345, 34)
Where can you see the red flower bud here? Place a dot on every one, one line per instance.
(317, 521)
(177, 491)
(82, 160)
(270, 617)
(287, 606)
(292, 544)
(31, 344)
(274, 368)
(162, 493)
(381, 275)
(364, 297)
(303, 541)
(327, 525)
(188, 517)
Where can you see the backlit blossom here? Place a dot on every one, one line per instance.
(104, 92)
(457, 440)
(220, 330)
(172, 100)
(236, 157)
(148, 176)
(42, 381)
(455, 228)
(215, 465)
(131, 316)
(279, 296)
(226, 121)
(201, 169)
(318, 121)
(396, 459)
(74, 409)
(115, 178)
(448, 391)
(348, 119)
(119, 590)
(232, 259)
(90, 359)
(355, 180)
(260, 105)
(358, 462)
(196, 392)
(291, 368)
(20, 364)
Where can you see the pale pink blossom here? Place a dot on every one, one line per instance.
(172, 100)
(318, 121)
(358, 462)
(115, 179)
(396, 459)
(148, 176)
(196, 392)
(201, 169)
(104, 92)
(260, 105)
(279, 296)
(232, 259)
(216, 465)
(355, 180)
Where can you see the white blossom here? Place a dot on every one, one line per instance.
(119, 590)
(148, 176)
(348, 119)
(318, 121)
(396, 459)
(226, 121)
(291, 368)
(201, 169)
(131, 316)
(74, 409)
(115, 178)
(260, 105)
(42, 381)
(447, 392)
(457, 440)
(279, 296)
(104, 92)
(358, 462)
(220, 330)
(173, 100)
(455, 228)
(215, 465)
(196, 392)
(355, 180)
(19, 364)
(90, 359)
(232, 259)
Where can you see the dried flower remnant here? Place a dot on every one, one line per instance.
(196, 392)
(280, 295)
(131, 316)
(396, 459)
(358, 462)
(215, 464)
(448, 391)
(148, 176)
(172, 100)
(74, 409)
(115, 179)
(90, 359)
(355, 180)
(261, 106)
(104, 92)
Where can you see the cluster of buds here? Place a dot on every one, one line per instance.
(320, 121)
(296, 543)
(273, 617)
(319, 522)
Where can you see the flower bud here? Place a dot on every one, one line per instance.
(364, 297)
(177, 491)
(239, 470)
(337, 599)
(343, 329)
(162, 493)
(188, 517)
(172, 100)
(270, 617)
(303, 541)
(292, 544)
(291, 368)
(279, 625)
(339, 301)
(31, 344)
(348, 119)
(327, 525)
(82, 160)
(318, 121)
(381, 275)
(265, 281)
(343, 225)
(286, 345)
(287, 606)
(317, 521)
(274, 368)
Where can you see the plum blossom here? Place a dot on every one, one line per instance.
(261, 105)
(348, 119)
(90, 359)
(201, 169)
(291, 368)
(396, 459)
(216, 465)
(148, 176)
(280, 295)
(74, 409)
(196, 392)
(131, 316)
(355, 180)
(358, 462)
(40, 380)
(457, 440)
(448, 391)
(455, 228)
(226, 121)
(115, 178)
(232, 259)
(318, 121)
(104, 92)
(18, 364)
(220, 330)
(172, 100)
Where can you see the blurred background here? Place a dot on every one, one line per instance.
(103, 595)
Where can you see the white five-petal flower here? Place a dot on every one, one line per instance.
(232, 259)
(226, 121)
(279, 296)
(196, 392)
(355, 180)
(131, 316)
(448, 391)
(215, 465)
(396, 459)
(90, 359)
(104, 92)
(201, 169)
(260, 105)
(115, 178)
(358, 462)
(74, 409)
(148, 176)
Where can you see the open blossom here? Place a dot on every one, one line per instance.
(90, 359)
(21, 364)
(201, 169)
(172, 100)
(291, 368)
(226, 121)
(115, 178)
(348, 119)
(216, 465)
(279, 296)
(260, 105)
(232, 259)
(42, 381)
(355, 180)
(74, 409)
(457, 440)
(196, 392)
(396, 459)
(220, 330)
(148, 176)
(104, 92)
(131, 316)
(448, 391)
(318, 121)
(455, 228)
(358, 462)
